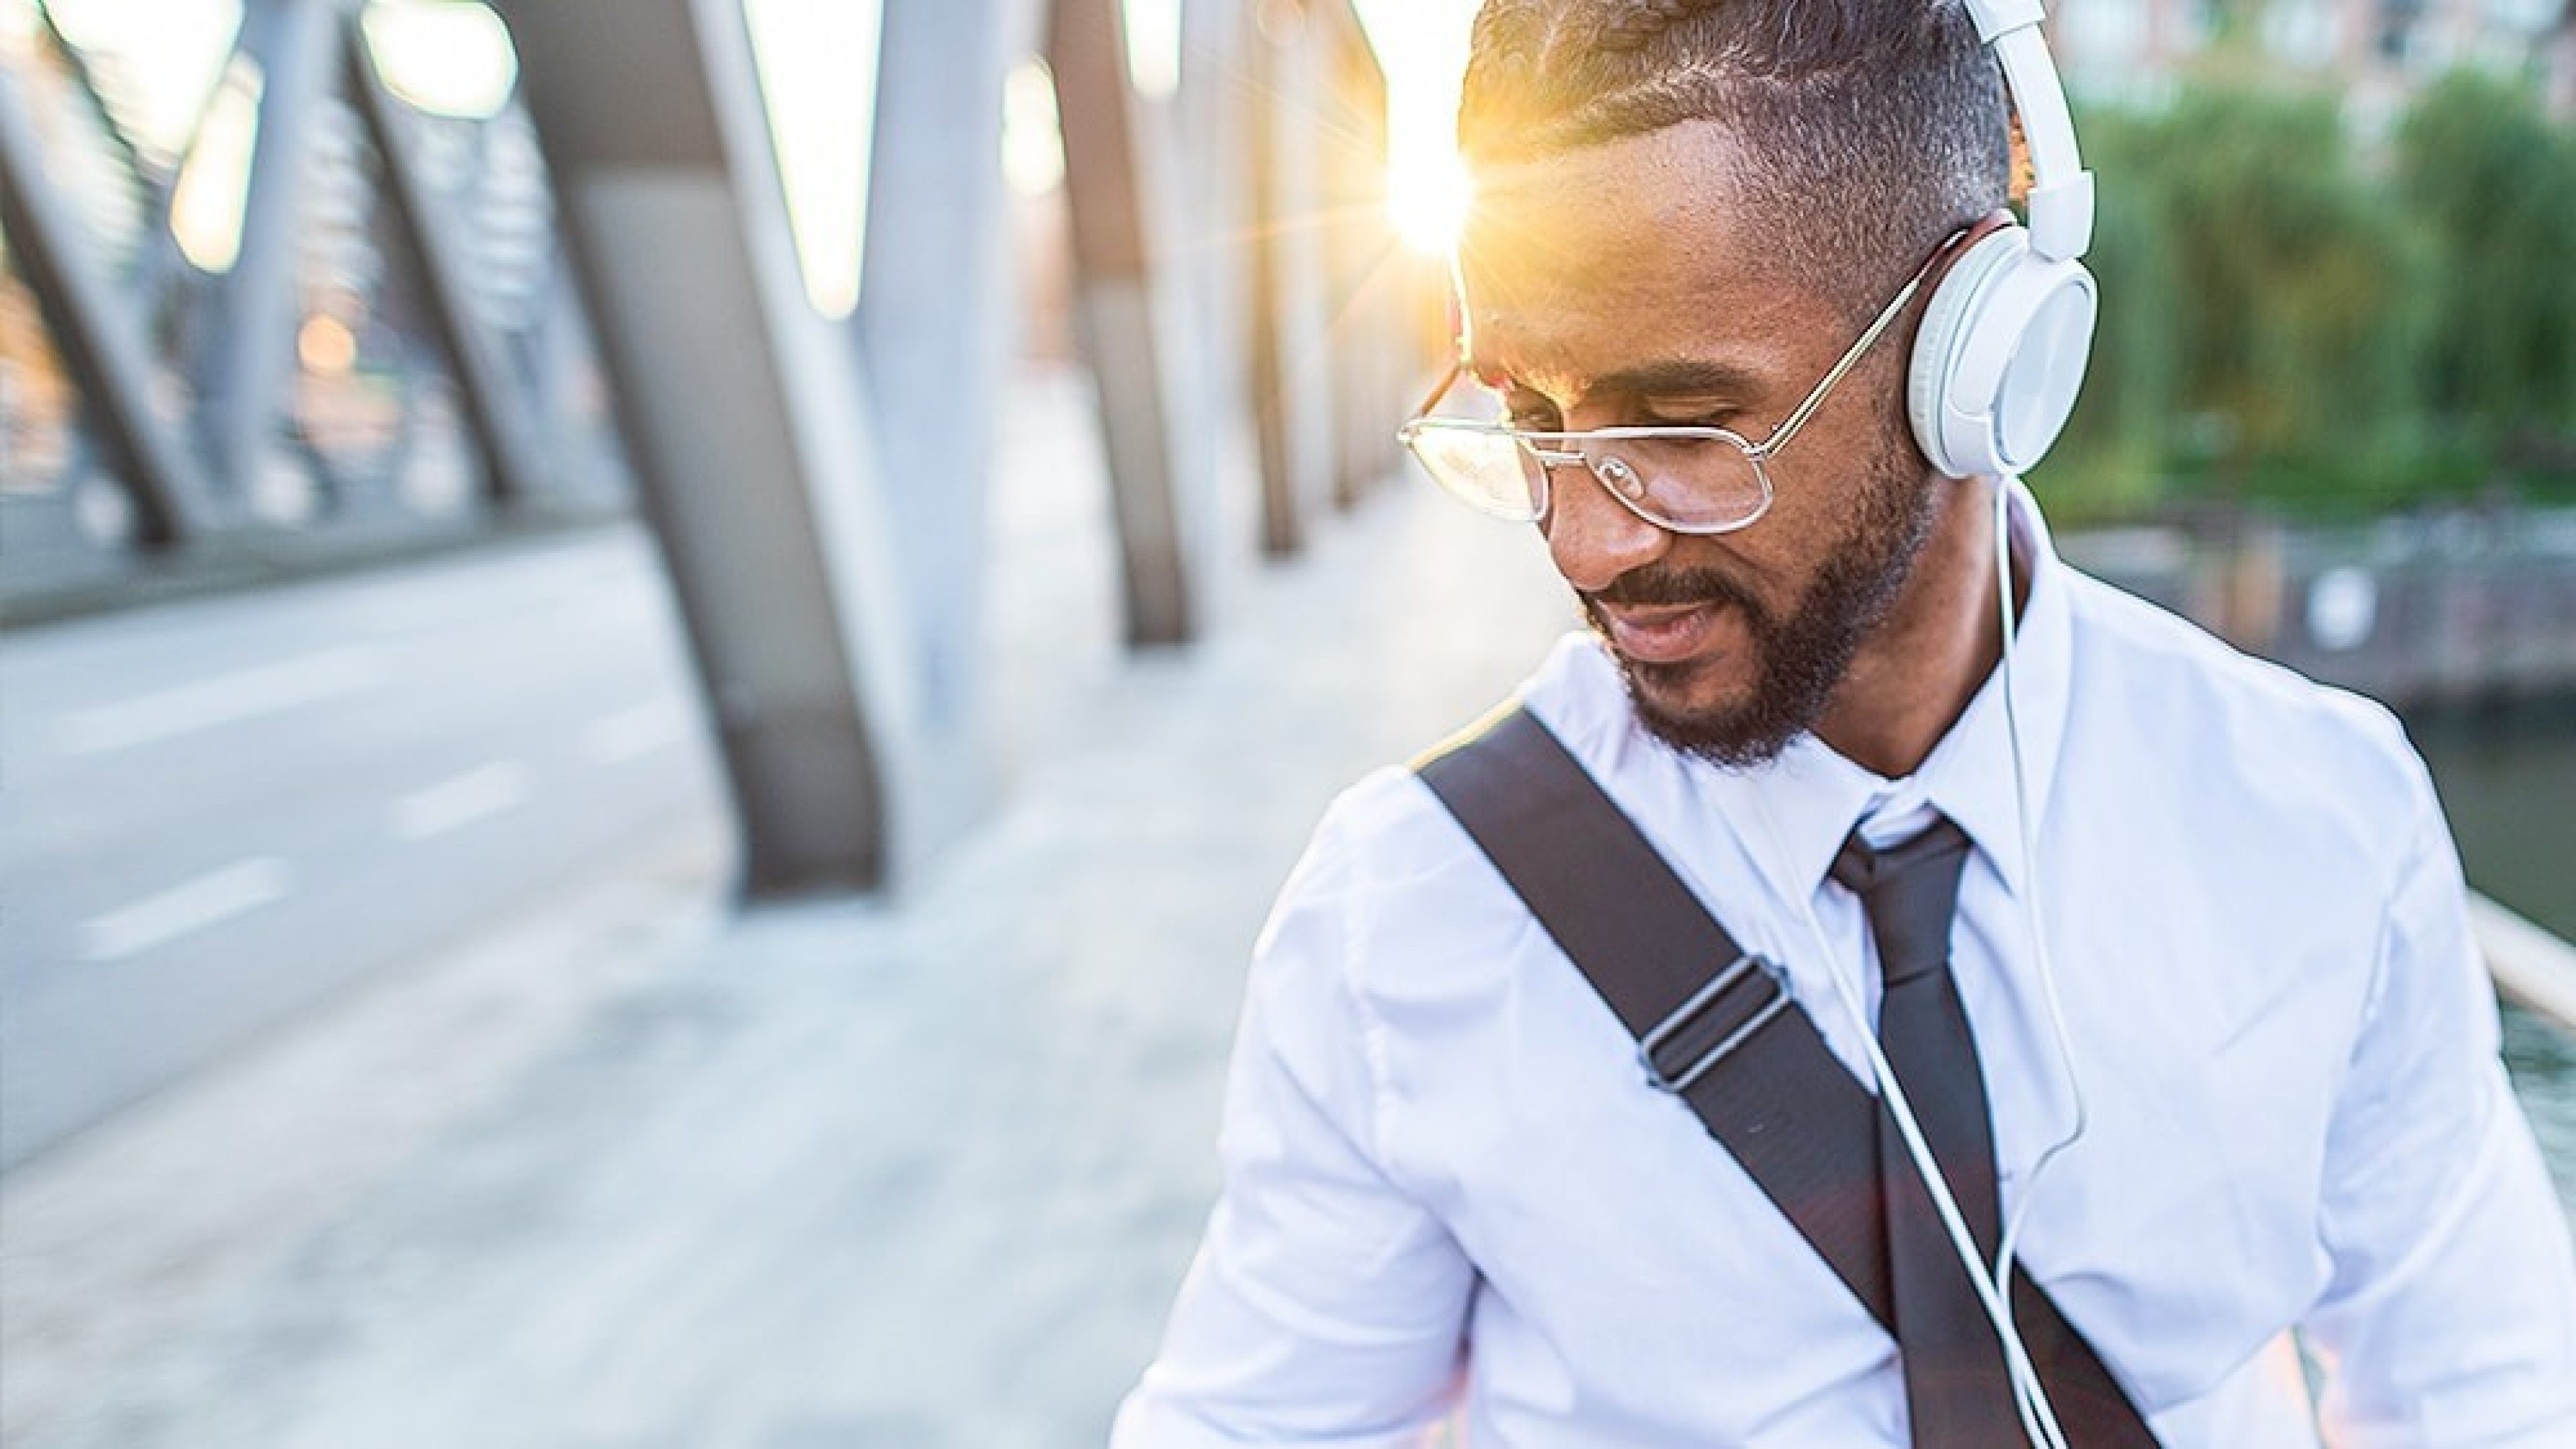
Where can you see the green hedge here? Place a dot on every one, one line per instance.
(2299, 317)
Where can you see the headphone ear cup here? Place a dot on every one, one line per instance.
(1947, 319)
(2049, 308)
(1999, 357)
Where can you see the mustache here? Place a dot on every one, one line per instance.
(1655, 587)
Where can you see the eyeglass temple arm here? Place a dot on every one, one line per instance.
(1447, 379)
(1887, 316)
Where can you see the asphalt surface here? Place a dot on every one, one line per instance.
(221, 812)
(217, 814)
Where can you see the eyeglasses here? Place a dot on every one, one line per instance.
(1685, 479)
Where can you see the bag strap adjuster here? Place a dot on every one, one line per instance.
(1752, 968)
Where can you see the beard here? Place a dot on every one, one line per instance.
(1797, 659)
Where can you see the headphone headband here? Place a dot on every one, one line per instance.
(2061, 193)
(2000, 354)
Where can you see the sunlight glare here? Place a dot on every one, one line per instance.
(1153, 46)
(1422, 45)
(214, 182)
(818, 76)
(446, 57)
(1032, 132)
(162, 58)
(1427, 194)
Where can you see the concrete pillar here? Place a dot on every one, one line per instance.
(502, 416)
(934, 326)
(296, 43)
(102, 342)
(1208, 427)
(1360, 259)
(1118, 324)
(745, 416)
(1208, 121)
(1291, 379)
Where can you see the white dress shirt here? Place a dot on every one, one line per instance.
(1449, 1191)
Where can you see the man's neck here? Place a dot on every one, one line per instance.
(1913, 678)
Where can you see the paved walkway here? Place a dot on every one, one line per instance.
(636, 1173)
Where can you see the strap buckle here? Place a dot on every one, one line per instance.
(1751, 967)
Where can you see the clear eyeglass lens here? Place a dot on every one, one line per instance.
(1489, 472)
(1690, 482)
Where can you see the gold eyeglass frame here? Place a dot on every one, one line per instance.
(1618, 476)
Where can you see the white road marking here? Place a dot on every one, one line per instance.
(217, 896)
(223, 699)
(456, 803)
(634, 733)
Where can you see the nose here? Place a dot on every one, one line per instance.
(1591, 536)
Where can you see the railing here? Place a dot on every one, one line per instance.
(2532, 967)
(2466, 606)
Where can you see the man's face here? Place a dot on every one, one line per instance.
(1622, 285)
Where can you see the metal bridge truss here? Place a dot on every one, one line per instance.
(390, 357)
(433, 328)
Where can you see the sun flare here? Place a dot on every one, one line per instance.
(1427, 196)
(1422, 45)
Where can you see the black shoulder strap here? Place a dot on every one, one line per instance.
(1716, 1027)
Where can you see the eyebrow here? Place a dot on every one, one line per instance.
(1676, 377)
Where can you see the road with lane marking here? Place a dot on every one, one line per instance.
(219, 813)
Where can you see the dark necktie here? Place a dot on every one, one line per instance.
(1956, 1386)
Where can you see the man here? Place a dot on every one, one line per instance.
(2233, 1062)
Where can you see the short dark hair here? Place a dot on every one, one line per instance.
(1877, 126)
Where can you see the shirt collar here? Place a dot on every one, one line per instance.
(1796, 811)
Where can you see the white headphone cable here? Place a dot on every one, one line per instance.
(1993, 1285)
(2031, 908)
(2039, 1417)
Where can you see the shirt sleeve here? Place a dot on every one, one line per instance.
(2450, 1316)
(1325, 1306)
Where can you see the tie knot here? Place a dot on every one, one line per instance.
(1862, 868)
(1909, 891)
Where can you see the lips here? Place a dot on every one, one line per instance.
(1658, 634)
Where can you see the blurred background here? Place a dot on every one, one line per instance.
(660, 654)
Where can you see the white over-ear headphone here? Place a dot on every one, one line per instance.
(2002, 347)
